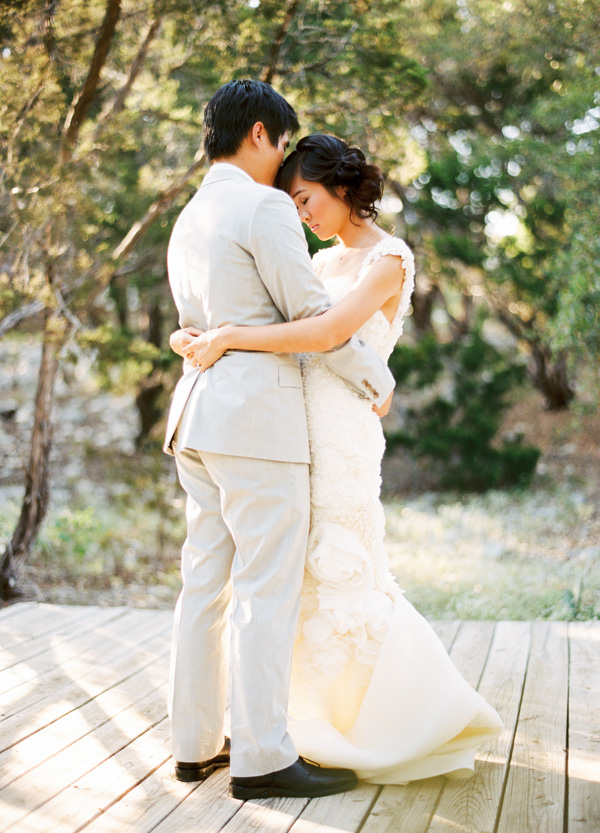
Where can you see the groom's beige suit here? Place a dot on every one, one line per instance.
(238, 431)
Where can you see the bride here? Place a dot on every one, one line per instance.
(372, 689)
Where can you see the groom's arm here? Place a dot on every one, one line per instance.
(278, 245)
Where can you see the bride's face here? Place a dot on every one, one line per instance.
(324, 214)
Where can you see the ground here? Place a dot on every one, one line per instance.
(116, 521)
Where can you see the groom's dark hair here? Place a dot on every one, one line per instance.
(236, 107)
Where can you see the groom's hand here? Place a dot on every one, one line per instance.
(181, 339)
(384, 409)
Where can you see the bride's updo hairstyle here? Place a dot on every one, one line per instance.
(331, 162)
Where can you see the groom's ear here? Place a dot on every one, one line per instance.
(258, 135)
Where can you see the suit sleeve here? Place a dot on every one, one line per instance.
(279, 248)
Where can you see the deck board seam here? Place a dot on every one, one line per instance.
(365, 818)
(513, 739)
(567, 738)
(487, 657)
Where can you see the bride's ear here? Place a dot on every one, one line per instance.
(342, 192)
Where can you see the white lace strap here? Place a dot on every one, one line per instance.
(397, 247)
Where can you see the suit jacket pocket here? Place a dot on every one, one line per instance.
(289, 376)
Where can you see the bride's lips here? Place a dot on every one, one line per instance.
(312, 228)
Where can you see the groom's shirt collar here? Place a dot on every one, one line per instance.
(223, 168)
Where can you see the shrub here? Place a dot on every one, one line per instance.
(468, 382)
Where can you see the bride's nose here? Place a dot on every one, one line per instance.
(304, 214)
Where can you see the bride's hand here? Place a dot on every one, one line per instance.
(207, 348)
(181, 339)
(384, 409)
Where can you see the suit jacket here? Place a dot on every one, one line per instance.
(238, 255)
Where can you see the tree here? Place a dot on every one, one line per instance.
(502, 210)
(60, 177)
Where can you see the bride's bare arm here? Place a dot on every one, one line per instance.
(318, 334)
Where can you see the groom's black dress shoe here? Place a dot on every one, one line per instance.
(300, 779)
(200, 770)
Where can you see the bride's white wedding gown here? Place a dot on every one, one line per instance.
(373, 689)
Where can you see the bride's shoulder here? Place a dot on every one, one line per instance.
(393, 246)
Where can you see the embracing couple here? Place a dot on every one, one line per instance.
(333, 673)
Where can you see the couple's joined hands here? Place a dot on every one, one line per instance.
(202, 348)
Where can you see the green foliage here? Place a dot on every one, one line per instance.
(456, 429)
(504, 206)
(122, 359)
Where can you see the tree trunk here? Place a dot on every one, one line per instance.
(117, 290)
(422, 304)
(148, 399)
(35, 501)
(551, 378)
(548, 370)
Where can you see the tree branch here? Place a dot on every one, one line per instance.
(13, 319)
(269, 70)
(162, 203)
(135, 69)
(82, 101)
(156, 114)
(158, 207)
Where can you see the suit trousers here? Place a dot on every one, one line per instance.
(247, 531)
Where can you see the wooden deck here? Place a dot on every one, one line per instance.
(84, 736)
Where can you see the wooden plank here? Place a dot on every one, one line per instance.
(43, 783)
(33, 620)
(208, 809)
(41, 670)
(144, 807)
(63, 631)
(470, 649)
(89, 796)
(535, 791)
(405, 809)
(102, 676)
(51, 739)
(446, 632)
(67, 663)
(276, 815)
(11, 611)
(472, 806)
(584, 728)
(334, 813)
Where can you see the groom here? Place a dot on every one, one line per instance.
(238, 432)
